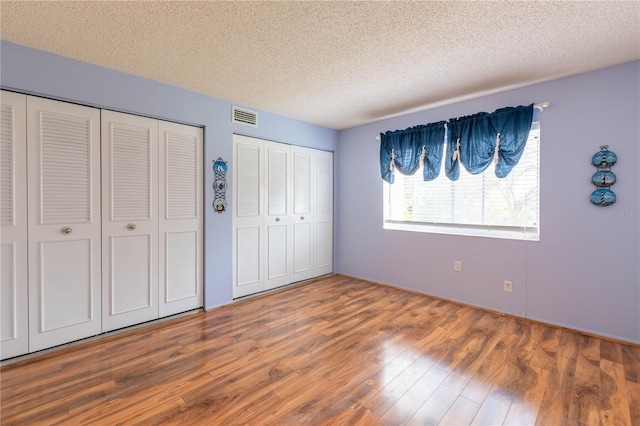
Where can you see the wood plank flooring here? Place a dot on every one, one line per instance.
(337, 351)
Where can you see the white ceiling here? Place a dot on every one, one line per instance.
(336, 64)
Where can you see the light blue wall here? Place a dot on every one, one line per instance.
(36, 72)
(584, 273)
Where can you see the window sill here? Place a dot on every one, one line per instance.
(465, 230)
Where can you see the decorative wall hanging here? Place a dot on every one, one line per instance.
(220, 185)
(603, 178)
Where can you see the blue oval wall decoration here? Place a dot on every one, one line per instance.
(604, 158)
(220, 185)
(603, 178)
(219, 204)
(220, 166)
(603, 197)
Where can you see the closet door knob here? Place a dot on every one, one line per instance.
(277, 219)
(131, 226)
(66, 230)
(301, 217)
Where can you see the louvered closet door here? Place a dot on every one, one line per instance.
(248, 239)
(323, 217)
(129, 220)
(277, 218)
(181, 268)
(13, 218)
(64, 222)
(302, 217)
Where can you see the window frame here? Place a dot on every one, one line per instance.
(473, 230)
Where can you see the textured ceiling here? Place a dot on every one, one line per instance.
(336, 64)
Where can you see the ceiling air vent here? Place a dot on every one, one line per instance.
(244, 116)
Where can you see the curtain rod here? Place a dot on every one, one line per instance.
(539, 106)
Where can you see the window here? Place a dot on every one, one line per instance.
(477, 205)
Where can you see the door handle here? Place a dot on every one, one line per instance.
(277, 219)
(131, 226)
(66, 230)
(301, 217)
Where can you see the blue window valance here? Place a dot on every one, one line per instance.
(474, 141)
(406, 150)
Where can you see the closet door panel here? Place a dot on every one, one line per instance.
(248, 216)
(302, 217)
(323, 213)
(131, 284)
(14, 307)
(302, 254)
(13, 220)
(277, 253)
(324, 249)
(65, 282)
(130, 220)
(181, 269)
(248, 254)
(277, 219)
(180, 253)
(64, 222)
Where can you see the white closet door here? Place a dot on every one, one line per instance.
(277, 217)
(323, 217)
(181, 230)
(248, 239)
(302, 215)
(64, 222)
(129, 220)
(13, 219)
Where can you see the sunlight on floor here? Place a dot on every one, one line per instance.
(417, 388)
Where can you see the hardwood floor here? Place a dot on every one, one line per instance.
(335, 351)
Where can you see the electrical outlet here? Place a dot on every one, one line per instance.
(508, 286)
(457, 265)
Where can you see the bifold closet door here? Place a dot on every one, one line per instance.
(13, 219)
(302, 214)
(180, 219)
(282, 214)
(248, 239)
(129, 220)
(277, 218)
(323, 213)
(64, 222)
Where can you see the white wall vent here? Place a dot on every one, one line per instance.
(244, 116)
